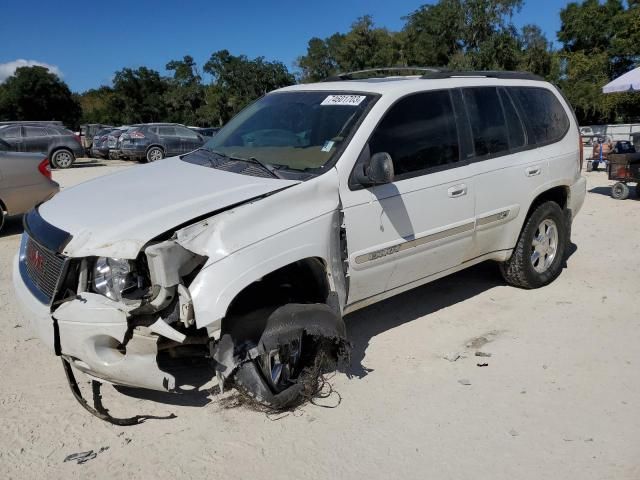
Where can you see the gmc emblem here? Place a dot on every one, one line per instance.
(35, 258)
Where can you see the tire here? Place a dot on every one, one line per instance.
(539, 254)
(284, 373)
(154, 154)
(62, 158)
(2, 216)
(638, 191)
(620, 191)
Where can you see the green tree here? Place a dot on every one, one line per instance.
(34, 93)
(237, 81)
(138, 96)
(185, 93)
(431, 34)
(600, 43)
(95, 105)
(363, 46)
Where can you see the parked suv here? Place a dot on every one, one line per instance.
(60, 145)
(154, 141)
(315, 201)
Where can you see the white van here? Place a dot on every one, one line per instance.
(313, 202)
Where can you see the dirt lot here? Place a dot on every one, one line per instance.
(559, 398)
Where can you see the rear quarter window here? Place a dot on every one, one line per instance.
(546, 118)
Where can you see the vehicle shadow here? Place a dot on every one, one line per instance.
(606, 191)
(365, 324)
(86, 165)
(12, 226)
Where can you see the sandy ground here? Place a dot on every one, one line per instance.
(559, 399)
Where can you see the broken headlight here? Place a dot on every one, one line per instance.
(114, 276)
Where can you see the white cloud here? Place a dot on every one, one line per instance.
(7, 69)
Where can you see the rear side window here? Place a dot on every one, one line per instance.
(488, 124)
(547, 120)
(35, 132)
(419, 132)
(10, 132)
(515, 128)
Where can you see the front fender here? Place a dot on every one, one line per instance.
(220, 282)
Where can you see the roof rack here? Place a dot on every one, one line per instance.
(507, 75)
(433, 73)
(350, 75)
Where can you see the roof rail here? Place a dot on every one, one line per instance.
(507, 75)
(350, 75)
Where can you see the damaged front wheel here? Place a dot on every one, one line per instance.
(299, 344)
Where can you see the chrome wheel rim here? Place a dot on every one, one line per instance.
(544, 246)
(63, 159)
(155, 154)
(280, 366)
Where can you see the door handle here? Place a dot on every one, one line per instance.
(532, 171)
(457, 190)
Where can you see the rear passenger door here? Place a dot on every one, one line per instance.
(509, 125)
(422, 223)
(36, 139)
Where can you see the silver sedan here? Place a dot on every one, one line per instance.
(25, 181)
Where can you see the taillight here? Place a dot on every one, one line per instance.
(44, 168)
(136, 134)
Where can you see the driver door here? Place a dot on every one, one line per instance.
(422, 223)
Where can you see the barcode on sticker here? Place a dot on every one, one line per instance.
(353, 100)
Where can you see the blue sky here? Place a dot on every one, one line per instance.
(88, 41)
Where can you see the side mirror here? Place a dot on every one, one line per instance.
(377, 171)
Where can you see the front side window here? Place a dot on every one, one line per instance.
(167, 131)
(186, 133)
(419, 132)
(487, 121)
(545, 115)
(292, 130)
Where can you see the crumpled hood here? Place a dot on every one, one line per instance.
(115, 215)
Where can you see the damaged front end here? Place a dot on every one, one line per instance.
(127, 321)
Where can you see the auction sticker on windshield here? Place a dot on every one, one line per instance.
(354, 100)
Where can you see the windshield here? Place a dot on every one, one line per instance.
(296, 130)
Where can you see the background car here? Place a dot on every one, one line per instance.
(59, 144)
(154, 141)
(88, 132)
(112, 141)
(100, 147)
(25, 181)
(205, 131)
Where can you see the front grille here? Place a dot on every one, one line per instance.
(43, 266)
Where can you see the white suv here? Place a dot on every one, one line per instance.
(313, 202)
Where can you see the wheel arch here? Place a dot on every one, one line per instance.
(302, 281)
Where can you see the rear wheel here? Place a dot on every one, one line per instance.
(537, 259)
(154, 154)
(620, 191)
(62, 159)
(2, 216)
